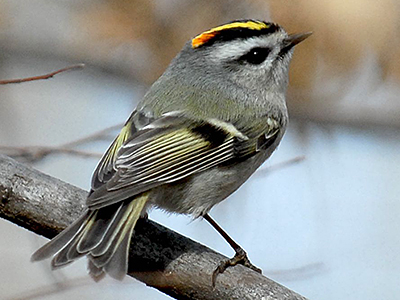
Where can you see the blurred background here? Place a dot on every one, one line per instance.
(321, 216)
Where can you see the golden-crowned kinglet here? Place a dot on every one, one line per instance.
(213, 117)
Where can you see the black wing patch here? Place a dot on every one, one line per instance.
(168, 149)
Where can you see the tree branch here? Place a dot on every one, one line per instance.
(30, 154)
(42, 77)
(159, 257)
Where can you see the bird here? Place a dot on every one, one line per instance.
(202, 129)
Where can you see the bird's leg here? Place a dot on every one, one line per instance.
(239, 258)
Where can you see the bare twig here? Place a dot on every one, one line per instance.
(305, 271)
(48, 290)
(158, 256)
(42, 77)
(35, 153)
(92, 137)
(280, 165)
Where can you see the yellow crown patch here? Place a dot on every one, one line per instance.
(204, 37)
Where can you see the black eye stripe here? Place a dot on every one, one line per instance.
(255, 56)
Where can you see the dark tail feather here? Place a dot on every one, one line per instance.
(70, 252)
(59, 242)
(103, 235)
(113, 230)
(117, 267)
(95, 234)
(112, 254)
(96, 273)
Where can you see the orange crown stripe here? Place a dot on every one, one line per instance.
(204, 37)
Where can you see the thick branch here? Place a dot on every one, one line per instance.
(159, 257)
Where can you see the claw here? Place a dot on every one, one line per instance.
(239, 258)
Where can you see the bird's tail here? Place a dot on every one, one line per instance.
(102, 234)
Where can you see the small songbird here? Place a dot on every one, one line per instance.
(214, 116)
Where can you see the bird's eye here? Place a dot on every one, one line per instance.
(255, 56)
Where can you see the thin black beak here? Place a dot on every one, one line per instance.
(294, 39)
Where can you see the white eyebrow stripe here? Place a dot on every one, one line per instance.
(236, 48)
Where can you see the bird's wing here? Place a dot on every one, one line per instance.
(168, 149)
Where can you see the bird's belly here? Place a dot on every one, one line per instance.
(197, 194)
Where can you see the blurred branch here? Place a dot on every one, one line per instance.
(92, 137)
(52, 289)
(43, 77)
(35, 153)
(360, 112)
(281, 165)
(300, 273)
(159, 257)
